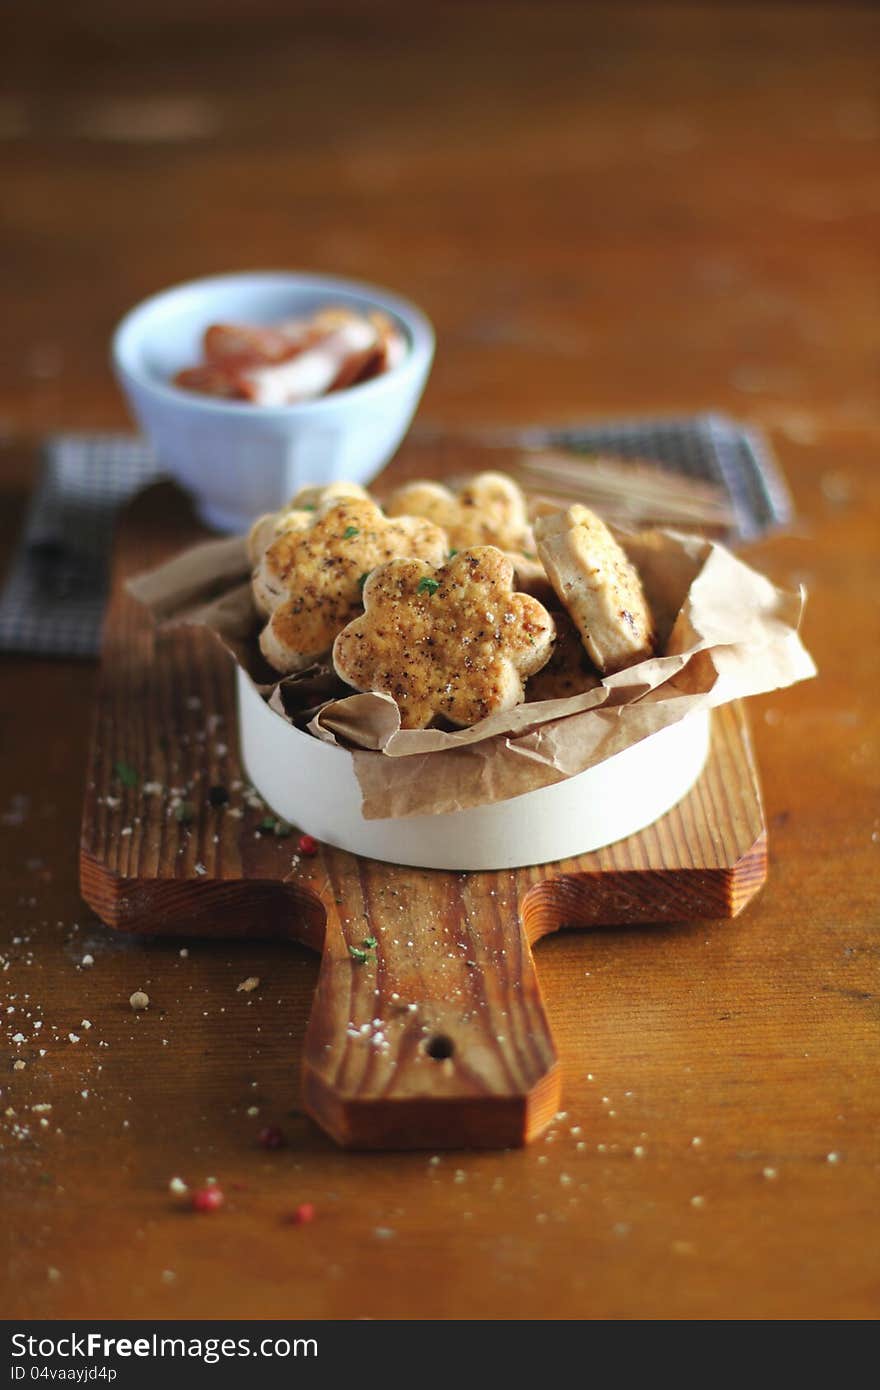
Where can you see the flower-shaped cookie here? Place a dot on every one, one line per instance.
(297, 515)
(488, 509)
(310, 579)
(454, 641)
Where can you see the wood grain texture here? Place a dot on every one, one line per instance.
(453, 970)
(606, 210)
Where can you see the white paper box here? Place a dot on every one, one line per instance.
(313, 785)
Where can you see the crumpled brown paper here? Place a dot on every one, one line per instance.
(724, 629)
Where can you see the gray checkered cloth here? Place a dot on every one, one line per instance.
(53, 599)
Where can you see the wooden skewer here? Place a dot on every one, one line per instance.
(622, 490)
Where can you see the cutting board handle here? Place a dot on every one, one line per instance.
(428, 1029)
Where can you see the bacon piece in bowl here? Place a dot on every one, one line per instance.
(297, 360)
(233, 342)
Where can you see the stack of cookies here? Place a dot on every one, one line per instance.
(448, 600)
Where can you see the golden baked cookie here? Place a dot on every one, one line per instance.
(454, 641)
(598, 586)
(296, 516)
(310, 579)
(569, 670)
(317, 495)
(488, 509)
(267, 529)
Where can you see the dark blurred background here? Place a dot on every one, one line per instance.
(604, 208)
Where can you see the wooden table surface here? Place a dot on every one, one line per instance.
(605, 210)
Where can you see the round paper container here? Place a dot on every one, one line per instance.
(313, 785)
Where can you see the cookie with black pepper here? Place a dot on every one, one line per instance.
(598, 586)
(487, 509)
(310, 580)
(453, 642)
(297, 515)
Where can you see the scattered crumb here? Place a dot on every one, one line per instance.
(247, 986)
(178, 1187)
(698, 1202)
(139, 1001)
(832, 1158)
(86, 961)
(836, 488)
(770, 1173)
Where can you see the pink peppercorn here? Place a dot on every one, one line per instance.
(304, 1213)
(308, 845)
(271, 1138)
(207, 1199)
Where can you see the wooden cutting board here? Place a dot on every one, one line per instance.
(438, 1038)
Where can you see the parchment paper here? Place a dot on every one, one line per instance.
(724, 629)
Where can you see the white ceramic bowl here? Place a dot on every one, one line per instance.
(313, 785)
(239, 460)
